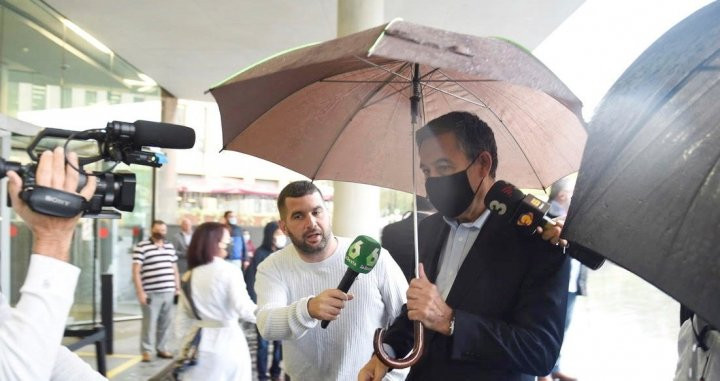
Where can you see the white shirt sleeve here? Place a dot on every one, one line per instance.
(70, 367)
(34, 328)
(278, 318)
(239, 298)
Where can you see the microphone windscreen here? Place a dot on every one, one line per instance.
(363, 254)
(163, 135)
(503, 198)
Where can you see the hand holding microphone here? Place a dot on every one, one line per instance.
(361, 257)
(528, 213)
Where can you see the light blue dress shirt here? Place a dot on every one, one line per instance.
(460, 240)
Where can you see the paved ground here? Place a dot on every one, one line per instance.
(125, 364)
(625, 330)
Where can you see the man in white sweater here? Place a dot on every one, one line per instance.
(297, 287)
(30, 333)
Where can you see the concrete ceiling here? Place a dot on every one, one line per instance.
(189, 45)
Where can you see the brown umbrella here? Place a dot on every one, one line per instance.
(339, 110)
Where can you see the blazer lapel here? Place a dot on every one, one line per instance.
(430, 250)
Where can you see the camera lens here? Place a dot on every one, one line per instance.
(116, 190)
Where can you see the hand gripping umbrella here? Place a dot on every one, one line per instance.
(340, 110)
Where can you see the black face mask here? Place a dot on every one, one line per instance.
(158, 236)
(452, 194)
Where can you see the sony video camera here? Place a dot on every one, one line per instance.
(118, 142)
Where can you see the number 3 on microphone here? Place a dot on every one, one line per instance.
(497, 207)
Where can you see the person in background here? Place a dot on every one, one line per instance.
(221, 300)
(181, 241)
(273, 240)
(237, 252)
(157, 281)
(249, 248)
(398, 237)
(30, 332)
(560, 196)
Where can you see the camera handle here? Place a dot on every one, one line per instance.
(53, 202)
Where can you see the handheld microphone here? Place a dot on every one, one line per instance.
(361, 257)
(527, 212)
(144, 133)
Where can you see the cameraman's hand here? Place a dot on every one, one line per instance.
(51, 235)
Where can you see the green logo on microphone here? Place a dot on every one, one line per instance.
(363, 254)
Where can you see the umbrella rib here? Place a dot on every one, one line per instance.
(408, 79)
(406, 82)
(346, 123)
(503, 124)
(359, 81)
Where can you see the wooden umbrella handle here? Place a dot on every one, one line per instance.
(411, 358)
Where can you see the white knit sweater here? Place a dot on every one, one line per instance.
(285, 283)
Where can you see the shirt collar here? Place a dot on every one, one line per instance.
(477, 224)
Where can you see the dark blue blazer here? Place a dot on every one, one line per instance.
(509, 298)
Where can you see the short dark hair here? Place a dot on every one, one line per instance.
(472, 133)
(295, 189)
(204, 244)
(225, 215)
(157, 222)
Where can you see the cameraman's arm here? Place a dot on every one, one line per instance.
(30, 333)
(51, 235)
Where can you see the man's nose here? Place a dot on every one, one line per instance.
(312, 222)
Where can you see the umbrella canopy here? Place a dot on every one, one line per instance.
(340, 110)
(648, 191)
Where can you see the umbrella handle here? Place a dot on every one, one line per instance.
(410, 359)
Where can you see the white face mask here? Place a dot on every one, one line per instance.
(280, 241)
(232, 220)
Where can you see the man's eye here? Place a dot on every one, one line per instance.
(444, 169)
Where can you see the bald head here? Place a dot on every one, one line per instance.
(185, 225)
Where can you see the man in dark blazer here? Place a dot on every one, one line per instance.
(492, 299)
(398, 238)
(181, 241)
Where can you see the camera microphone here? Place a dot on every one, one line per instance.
(144, 133)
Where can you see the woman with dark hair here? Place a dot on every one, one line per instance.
(220, 298)
(273, 240)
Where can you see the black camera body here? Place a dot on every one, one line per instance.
(115, 190)
(118, 142)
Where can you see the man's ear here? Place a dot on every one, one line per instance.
(485, 161)
(282, 226)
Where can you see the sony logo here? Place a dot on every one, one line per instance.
(56, 200)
